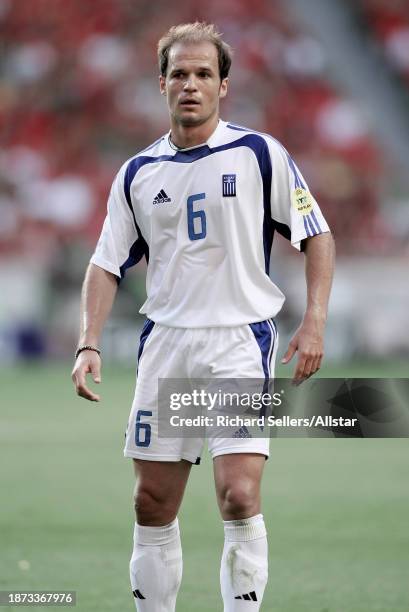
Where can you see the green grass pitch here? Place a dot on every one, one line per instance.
(336, 510)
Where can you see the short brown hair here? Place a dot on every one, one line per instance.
(195, 32)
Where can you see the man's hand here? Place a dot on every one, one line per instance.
(308, 340)
(88, 362)
(98, 292)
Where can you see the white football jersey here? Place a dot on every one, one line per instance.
(205, 217)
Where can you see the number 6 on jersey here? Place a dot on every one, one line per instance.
(195, 214)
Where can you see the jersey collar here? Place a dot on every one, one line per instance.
(216, 138)
(212, 141)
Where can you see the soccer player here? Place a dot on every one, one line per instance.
(202, 204)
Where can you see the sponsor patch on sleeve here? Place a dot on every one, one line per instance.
(302, 201)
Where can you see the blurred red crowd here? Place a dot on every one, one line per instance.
(389, 22)
(78, 95)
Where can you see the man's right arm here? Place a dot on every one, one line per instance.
(98, 293)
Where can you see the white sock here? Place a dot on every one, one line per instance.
(244, 567)
(156, 567)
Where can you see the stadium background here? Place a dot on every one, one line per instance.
(78, 95)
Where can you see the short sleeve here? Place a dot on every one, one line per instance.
(294, 211)
(120, 244)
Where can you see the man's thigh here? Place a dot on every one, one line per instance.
(159, 490)
(237, 480)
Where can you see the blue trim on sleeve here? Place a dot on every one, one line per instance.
(138, 250)
(307, 230)
(297, 177)
(313, 215)
(311, 226)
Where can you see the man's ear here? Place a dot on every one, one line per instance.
(223, 88)
(162, 85)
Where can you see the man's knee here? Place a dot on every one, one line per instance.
(240, 499)
(153, 506)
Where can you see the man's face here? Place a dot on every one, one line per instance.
(192, 84)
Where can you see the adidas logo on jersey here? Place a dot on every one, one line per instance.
(161, 198)
(248, 596)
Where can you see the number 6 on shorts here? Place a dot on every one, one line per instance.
(142, 427)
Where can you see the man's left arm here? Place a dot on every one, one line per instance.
(308, 340)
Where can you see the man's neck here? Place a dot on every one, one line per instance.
(185, 137)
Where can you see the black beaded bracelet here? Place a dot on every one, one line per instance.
(87, 347)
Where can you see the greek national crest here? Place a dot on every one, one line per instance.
(229, 185)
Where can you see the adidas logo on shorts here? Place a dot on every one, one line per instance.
(161, 198)
(243, 432)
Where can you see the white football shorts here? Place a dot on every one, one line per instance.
(246, 351)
